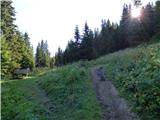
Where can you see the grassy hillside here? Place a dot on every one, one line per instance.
(65, 93)
(136, 73)
(70, 90)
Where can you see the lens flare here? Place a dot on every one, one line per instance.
(136, 12)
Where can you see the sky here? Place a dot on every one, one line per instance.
(55, 20)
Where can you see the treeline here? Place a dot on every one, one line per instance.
(43, 58)
(112, 36)
(16, 49)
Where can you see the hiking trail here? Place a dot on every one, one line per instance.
(113, 106)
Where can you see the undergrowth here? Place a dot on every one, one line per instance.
(136, 73)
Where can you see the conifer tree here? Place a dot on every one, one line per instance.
(38, 55)
(157, 19)
(42, 55)
(123, 28)
(27, 54)
(8, 31)
(59, 57)
(77, 44)
(27, 40)
(16, 51)
(5, 57)
(7, 19)
(86, 44)
(96, 45)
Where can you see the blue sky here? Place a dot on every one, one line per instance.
(55, 20)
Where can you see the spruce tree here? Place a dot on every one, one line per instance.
(157, 19)
(38, 55)
(7, 19)
(59, 57)
(123, 29)
(8, 31)
(96, 44)
(42, 55)
(5, 57)
(27, 54)
(76, 44)
(148, 22)
(16, 52)
(46, 54)
(86, 50)
(27, 40)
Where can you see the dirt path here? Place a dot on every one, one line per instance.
(114, 107)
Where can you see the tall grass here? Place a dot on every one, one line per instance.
(18, 102)
(68, 89)
(71, 92)
(136, 73)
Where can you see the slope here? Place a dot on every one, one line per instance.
(136, 74)
(67, 92)
(114, 107)
(64, 93)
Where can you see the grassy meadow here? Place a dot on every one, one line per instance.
(66, 93)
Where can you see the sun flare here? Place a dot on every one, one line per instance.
(136, 12)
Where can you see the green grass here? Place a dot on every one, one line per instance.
(71, 92)
(67, 90)
(136, 73)
(19, 101)
(66, 93)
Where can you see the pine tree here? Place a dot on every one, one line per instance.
(102, 38)
(106, 37)
(77, 34)
(42, 55)
(148, 22)
(116, 39)
(17, 47)
(5, 57)
(46, 54)
(112, 37)
(27, 40)
(52, 62)
(38, 55)
(157, 19)
(27, 54)
(96, 46)
(7, 19)
(8, 31)
(16, 51)
(59, 57)
(86, 50)
(71, 52)
(77, 44)
(123, 28)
